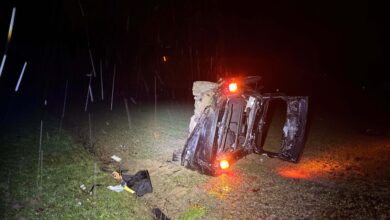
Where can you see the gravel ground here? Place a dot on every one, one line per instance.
(343, 174)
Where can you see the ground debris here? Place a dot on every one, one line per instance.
(340, 176)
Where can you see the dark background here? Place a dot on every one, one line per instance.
(333, 51)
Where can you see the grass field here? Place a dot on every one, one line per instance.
(57, 194)
(343, 173)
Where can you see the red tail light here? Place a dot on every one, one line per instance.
(233, 87)
(224, 164)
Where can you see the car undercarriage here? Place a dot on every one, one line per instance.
(234, 123)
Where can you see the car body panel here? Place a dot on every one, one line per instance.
(234, 125)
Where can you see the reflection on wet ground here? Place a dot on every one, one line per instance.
(227, 194)
(310, 168)
(342, 160)
(221, 186)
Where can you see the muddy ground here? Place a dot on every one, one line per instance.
(344, 172)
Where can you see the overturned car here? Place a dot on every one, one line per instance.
(230, 122)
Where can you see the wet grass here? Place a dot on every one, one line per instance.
(148, 138)
(196, 212)
(256, 189)
(57, 195)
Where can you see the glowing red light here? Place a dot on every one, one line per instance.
(233, 87)
(224, 164)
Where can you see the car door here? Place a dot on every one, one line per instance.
(293, 129)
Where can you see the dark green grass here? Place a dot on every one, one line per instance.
(194, 213)
(58, 195)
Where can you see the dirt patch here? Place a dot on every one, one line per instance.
(341, 174)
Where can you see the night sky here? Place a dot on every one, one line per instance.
(315, 48)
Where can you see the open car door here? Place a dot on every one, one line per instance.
(293, 130)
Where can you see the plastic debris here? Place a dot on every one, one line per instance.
(140, 182)
(116, 158)
(117, 188)
(83, 187)
(128, 189)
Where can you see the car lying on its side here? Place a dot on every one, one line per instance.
(230, 122)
